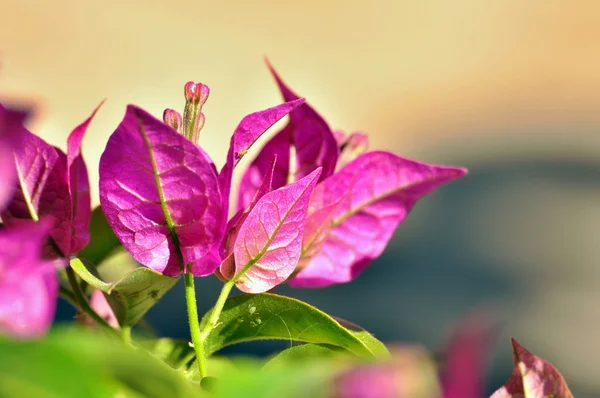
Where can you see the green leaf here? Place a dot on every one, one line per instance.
(103, 240)
(305, 352)
(44, 370)
(376, 346)
(132, 295)
(89, 273)
(269, 316)
(79, 363)
(294, 381)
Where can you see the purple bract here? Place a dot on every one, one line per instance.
(533, 377)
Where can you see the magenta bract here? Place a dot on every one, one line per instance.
(376, 191)
(53, 185)
(79, 188)
(247, 132)
(316, 229)
(252, 179)
(42, 182)
(533, 377)
(467, 354)
(28, 284)
(238, 219)
(269, 241)
(227, 267)
(160, 195)
(312, 140)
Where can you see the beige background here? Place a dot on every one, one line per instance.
(413, 74)
(458, 81)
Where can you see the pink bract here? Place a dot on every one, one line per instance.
(268, 245)
(52, 185)
(28, 284)
(467, 354)
(314, 142)
(533, 377)
(252, 179)
(308, 134)
(79, 188)
(247, 132)
(376, 191)
(160, 195)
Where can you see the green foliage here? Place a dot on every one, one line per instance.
(305, 352)
(80, 363)
(269, 316)
(76, 362)
(243, 377)
(132, 295)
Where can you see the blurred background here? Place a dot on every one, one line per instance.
(509, 89)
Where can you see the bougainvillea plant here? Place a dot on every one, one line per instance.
(314, 208)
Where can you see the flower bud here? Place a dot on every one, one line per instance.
(173, 119)
(358, 142)
(198, 124)
(340, 137)
(196, 93)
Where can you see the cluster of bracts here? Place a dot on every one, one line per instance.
(313, 208)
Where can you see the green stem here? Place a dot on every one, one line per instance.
(199, 336)
(192, 310)
(190, 114)
(216, 311)
(126, 334)
(82, 301)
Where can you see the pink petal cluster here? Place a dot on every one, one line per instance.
(297, 218)
(162, 195)
(354, 211)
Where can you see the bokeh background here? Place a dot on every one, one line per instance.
(509, 89)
